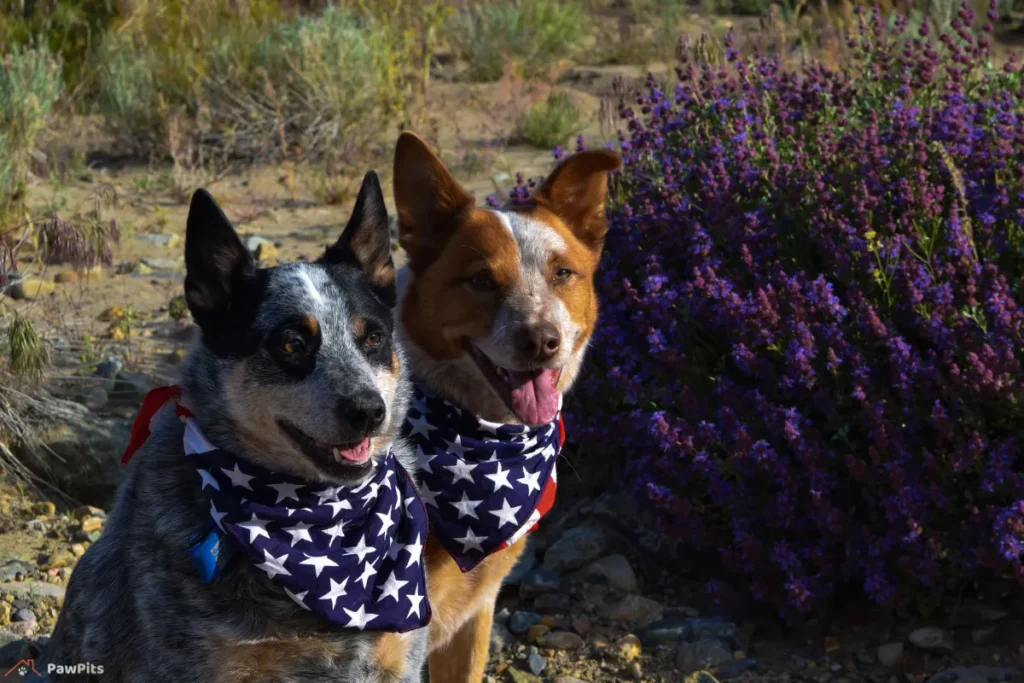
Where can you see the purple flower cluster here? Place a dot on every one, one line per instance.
(810, 349)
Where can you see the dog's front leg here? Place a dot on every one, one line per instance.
(463, 658)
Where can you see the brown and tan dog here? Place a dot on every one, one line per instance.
(497, 308)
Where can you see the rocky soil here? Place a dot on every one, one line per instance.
(586, 603)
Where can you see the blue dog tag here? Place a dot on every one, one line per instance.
(209, 555)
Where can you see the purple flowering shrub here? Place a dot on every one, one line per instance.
(809, 351)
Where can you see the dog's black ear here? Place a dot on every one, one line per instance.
(216, 261)
(366, 239)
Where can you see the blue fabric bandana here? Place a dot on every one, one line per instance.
(350, 554)
(485, 484)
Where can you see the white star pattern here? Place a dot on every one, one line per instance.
(337, 591)
(500, 478)
(466, 506)
(217, 515)
(455, 447)
(299, 532)
(427, 496)
(359, 618)
(299, 598)
(530, 480)
(391, 587)
(368, 571)
(507, 513)
(256, 528)
(273, 565)
(471, 541)
(385, 523)
(318, 562)
(414, 599)
(286, 491)
(420, 426)
(461, 470)
(208, 480)
(278, 514)
(361, 550)
(423, 460)
(334, 531)
(415, 550)
(238, 478)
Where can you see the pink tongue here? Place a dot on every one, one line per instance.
(357, 453)
(534, 397)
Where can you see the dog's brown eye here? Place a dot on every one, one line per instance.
(563, 274)
(483, 282)
(293, 344)
(374, 339)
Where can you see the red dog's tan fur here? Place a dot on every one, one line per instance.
(448, 240)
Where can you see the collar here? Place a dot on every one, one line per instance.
(485, 484)
(351, 554)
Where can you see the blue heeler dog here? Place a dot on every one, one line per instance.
(267, 529)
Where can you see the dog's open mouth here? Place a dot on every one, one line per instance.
(332, 457)
(533, 396)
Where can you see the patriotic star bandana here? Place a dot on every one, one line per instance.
(352, 554)
(485, 485)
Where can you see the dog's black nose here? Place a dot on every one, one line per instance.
(363, 411)
(538, 342)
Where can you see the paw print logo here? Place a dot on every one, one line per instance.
(22, 668)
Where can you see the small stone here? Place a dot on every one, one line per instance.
(634, 609)
(616, 571)
(931, 639)
(634, 671)
(24, 614)
(90, 524)
(582, 625)
(94, 274)
(560, 640)
(31, 288)
(700, 677)
(552, 603)
(865, 657)
(576, 548)
(536, 662)
(61, 559)
(538, 582)
(890, 654)
(983, 635)
(45, 508)
(266, 253)
(706, 653)
(517, 676)
(84, 511)
(22, 628)
(520, 622)
(534, 633)
(167, 240)
(500, 637)
(35, 525)
(548, 621)
(501, 616)
(162, 265)
(5, 613)
(628, 647)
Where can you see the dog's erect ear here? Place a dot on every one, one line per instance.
(216, 261)
(430, 203)
(366, 240)
(576, 190)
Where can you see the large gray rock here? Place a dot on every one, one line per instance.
(706, 653)
(77, 450)
(576, 548)
(616, 571)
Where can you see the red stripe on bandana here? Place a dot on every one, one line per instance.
(151, 405)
